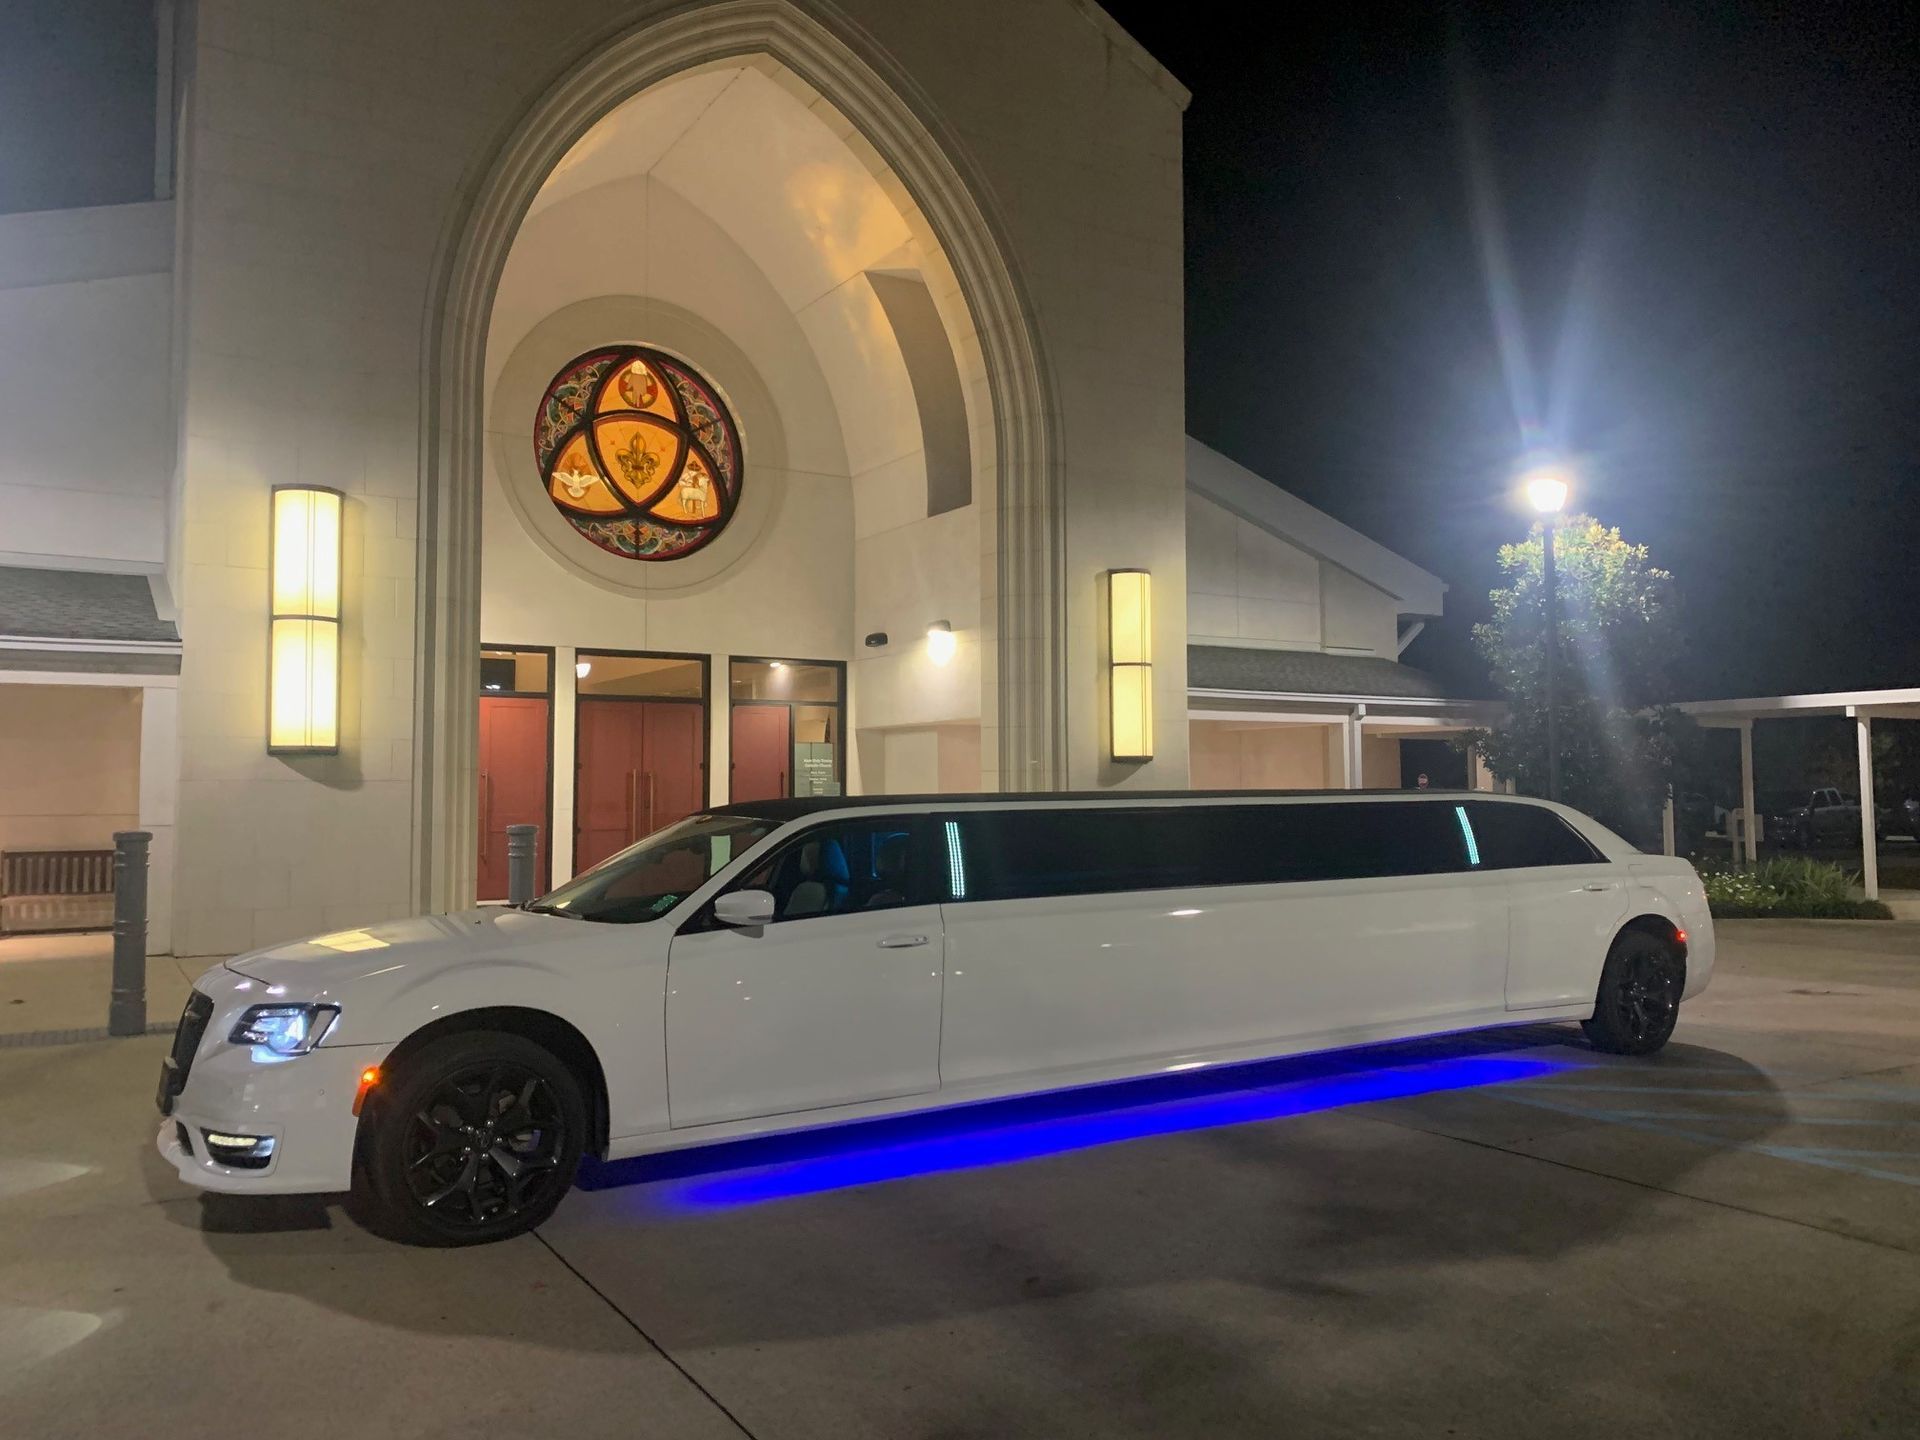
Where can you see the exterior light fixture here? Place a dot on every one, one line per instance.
(941, 642)
(582, 669)
(1547, 490)
(1130, 663)
(877, 640)
(303, 678)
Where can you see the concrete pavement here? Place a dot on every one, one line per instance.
(1528, 1239)
(58, 984)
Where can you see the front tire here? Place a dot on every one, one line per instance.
(1638, 1002)
(474, 1138)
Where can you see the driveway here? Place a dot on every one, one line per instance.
(1496, 1235)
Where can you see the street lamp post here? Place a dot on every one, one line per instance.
(1547, 493)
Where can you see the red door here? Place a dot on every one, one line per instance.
(762, 752)
(673, 773)
(513, 785)
(638, 770)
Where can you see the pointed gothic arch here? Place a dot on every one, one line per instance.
(1022, 605)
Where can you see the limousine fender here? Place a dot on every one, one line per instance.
(592, 995)
(614, 1050)
(1668, 889)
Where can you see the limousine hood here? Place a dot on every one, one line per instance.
(315, 968)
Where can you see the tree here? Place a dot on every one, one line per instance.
(1619, 654)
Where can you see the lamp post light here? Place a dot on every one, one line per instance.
(1546, 491)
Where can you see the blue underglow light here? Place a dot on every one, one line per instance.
(977, 1136)
(1466, 830)
(956, 862)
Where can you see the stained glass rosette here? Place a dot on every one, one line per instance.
(638, 453)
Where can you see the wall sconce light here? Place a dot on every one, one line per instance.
(877, 640)
(1130, 662)
(303, 685)
(941, 642)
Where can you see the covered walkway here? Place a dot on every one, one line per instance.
(1860, 706)
(1294, 719)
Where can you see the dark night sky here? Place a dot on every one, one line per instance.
(1713, 217)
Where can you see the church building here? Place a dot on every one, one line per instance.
(583, 415)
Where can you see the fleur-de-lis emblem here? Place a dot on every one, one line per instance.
(576, 482)
(636, 462)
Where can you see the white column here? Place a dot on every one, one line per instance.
(1478, 776)
(1746, 792)
(1350, 733)
(566, 687)
(1869, 846)
(159, 792)
(720, 732)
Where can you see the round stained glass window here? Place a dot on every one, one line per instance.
(638, 453)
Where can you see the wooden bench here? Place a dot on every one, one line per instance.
(42, 891)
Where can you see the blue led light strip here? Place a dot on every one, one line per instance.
(969, 1138)
(1466, 831)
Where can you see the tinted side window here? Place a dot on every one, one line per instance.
(1352, 841)
(841, 867)
(1516, 837)
(1020, 854)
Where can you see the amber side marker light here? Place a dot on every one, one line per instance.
(369, 1078)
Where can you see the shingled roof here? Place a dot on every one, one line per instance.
(79, 605)
(1307, 672)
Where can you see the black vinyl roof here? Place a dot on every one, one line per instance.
(798, 808)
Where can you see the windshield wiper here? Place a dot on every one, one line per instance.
(540, 907)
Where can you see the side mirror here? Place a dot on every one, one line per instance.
(744, 909)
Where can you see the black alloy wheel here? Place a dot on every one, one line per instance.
(1638, 1003)
(476, 1138)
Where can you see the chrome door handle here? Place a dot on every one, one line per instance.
(1598, 885)
(902, 942)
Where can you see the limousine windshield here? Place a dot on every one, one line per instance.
(847, 863)
(645, 881)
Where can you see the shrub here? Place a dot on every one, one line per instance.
(1788, 887)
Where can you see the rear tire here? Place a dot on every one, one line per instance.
(1639, 998)
(473, 1138)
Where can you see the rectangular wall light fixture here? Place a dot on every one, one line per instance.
(1130, 662)
(303, 681)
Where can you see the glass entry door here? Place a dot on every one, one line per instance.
(788, 727)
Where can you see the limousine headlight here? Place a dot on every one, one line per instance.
(284, 1030)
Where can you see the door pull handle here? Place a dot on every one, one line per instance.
(902, 942)
(1598, 885)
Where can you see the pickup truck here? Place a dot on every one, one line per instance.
(1821, 816)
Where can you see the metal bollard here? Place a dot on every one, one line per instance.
(522, 842)
(127, 1012)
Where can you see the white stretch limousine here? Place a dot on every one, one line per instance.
(774, 966)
